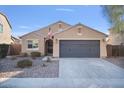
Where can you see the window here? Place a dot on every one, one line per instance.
(1, 28)
(32, 44)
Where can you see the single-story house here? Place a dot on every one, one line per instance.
(61, 39)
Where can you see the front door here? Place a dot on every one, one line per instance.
(49, 47)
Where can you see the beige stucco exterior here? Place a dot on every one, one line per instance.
(69, 33)
(72, 34)
(40, 35)
(33, 36)
(5, 36)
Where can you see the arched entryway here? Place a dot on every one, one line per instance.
(49, 47)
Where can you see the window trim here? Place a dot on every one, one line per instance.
(2, 28)
(32, 48)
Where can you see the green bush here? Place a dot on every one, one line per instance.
(24, 63)
(35, 54)
(24, 54)
(3, 50)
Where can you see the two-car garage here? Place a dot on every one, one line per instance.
(79, 48)
(80, 41)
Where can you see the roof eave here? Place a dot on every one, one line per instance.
(85, 26)
(6, 19)
(45, 27)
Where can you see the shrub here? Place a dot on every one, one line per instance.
(3, 50)
(35, 54)
(24, 54)
(24, 63)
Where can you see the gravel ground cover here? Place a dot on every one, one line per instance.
(9, 69)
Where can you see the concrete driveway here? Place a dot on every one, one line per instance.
(76, 72)
(89, 68)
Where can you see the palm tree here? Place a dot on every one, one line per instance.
(115, 16)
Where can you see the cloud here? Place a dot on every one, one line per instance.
(65, 9)
(24, 27)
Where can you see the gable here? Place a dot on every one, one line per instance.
(54, 27)
(32, 35)
(86, 32)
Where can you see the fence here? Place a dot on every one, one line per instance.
(15, 49)
(115, 50)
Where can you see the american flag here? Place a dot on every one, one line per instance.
(50, 34)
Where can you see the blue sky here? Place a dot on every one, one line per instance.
(25, 19)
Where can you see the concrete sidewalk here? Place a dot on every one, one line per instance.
(62, 83)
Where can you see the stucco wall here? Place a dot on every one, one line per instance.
(5, 36)
(33, 37)
(40, 35)
(87, 34)
(54, 28)
(69, 34)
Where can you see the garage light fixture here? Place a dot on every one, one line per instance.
(104, 40)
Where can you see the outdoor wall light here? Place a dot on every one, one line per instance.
(104, 40)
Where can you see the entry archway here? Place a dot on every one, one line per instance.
(49, 47)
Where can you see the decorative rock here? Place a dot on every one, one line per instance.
(49, 59)
(44, 59)
(9, 57)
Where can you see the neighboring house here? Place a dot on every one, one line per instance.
(63, 40)
(115, 38)
(5, 30)
(15, 40)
